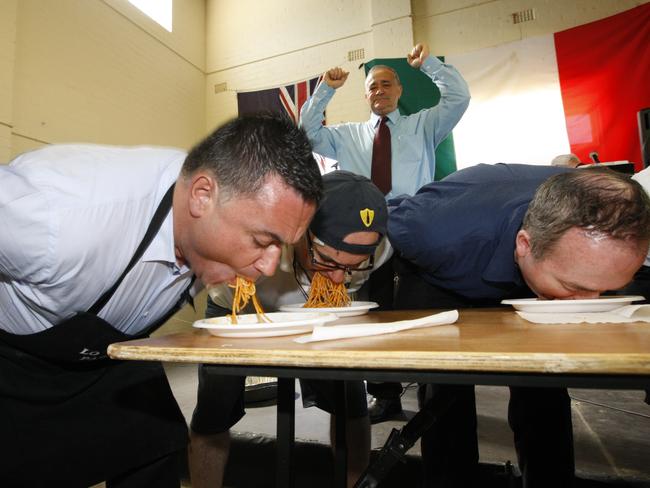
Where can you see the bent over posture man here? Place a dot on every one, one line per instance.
(101, 244)
(514, 231)
(344, 243)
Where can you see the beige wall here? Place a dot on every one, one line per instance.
(99, 71)
(255, 44)
(458, 26)
(7, 49)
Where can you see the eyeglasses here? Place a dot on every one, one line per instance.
(333, 265)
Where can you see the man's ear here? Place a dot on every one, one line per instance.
(203, 194)
(522, 244)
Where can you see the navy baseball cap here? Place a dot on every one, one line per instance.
(351, 203)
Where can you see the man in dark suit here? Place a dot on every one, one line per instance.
(490, 233)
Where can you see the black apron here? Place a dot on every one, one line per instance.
(69, 415)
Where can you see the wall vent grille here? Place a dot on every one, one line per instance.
(523, 16)
(356, 54)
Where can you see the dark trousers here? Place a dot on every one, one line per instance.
(450, 447)
(640, 285)
(540, 418)
(384, 390)
(380, 288)
(162, 473)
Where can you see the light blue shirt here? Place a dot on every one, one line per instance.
(71, 218)
(414, 138)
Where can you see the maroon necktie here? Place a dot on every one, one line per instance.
(380, 171)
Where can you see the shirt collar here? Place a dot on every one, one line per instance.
(162, 247)
(393, 116)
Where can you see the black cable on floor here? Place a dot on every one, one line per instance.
(609, 407)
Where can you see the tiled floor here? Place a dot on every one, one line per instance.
(611, 428)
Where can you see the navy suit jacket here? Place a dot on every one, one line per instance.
(460, 232)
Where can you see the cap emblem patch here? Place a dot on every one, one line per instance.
(367, 216)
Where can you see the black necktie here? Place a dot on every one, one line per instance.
(380, 172)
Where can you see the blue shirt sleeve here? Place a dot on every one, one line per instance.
(311, 120)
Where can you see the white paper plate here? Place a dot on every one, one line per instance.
(355, 308)
(602, 304)
(282, 324)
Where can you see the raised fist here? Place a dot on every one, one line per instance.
(418, 54)
(335, 77)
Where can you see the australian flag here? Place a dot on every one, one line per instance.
(287, 99)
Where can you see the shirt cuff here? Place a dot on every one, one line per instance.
(324, 92)
(431, 65)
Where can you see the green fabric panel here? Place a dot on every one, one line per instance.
(419, 93)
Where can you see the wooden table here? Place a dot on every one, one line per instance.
(485, 346)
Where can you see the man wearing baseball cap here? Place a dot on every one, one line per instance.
(345, 242)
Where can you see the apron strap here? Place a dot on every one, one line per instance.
(158, 218)
(186, 297)
(84, 337)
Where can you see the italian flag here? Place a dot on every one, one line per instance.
(576, 91)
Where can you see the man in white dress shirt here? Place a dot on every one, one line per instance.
(344, 243)
(101, 244)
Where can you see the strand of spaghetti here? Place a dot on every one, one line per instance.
(235, 301)
(244, 291)
(324, 292)
(259, 310)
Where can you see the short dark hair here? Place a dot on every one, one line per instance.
(242, 153)
(383, 66)
(598, 200)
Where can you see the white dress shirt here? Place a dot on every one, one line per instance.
(71, 218)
